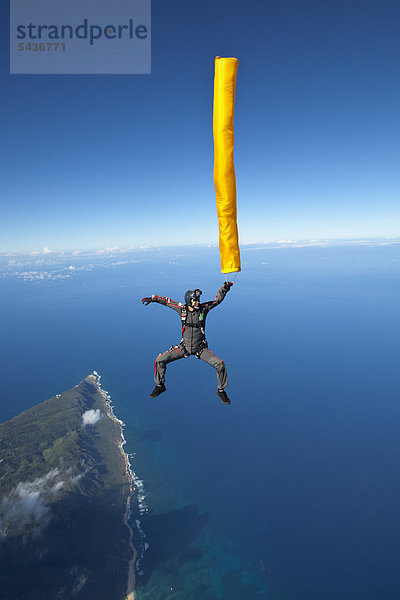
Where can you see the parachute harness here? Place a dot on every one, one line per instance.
(200, 324)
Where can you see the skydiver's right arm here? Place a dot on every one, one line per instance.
(165, 302)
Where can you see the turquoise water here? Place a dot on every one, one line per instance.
(292, 491)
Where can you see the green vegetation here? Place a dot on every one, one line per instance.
(63, 495)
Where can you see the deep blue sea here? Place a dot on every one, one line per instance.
(299, 477)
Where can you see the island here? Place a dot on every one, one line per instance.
(65, 490)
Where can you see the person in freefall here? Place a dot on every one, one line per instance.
(193, 314)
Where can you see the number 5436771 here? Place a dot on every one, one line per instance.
(42, 47)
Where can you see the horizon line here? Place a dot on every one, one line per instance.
(317, 242)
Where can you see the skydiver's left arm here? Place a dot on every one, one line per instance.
(223, 290)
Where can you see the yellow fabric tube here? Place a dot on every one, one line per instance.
(224, 170)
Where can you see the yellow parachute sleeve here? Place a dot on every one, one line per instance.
(224, 170)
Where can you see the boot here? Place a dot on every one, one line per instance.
(224, 397)
(159, 389)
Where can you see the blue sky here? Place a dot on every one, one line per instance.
(92, 161)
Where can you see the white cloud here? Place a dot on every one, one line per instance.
(28, 502)
(79, 583)
(90, 417)
(108, 249)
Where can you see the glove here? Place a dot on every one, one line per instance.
(146, 301)
(228, 285)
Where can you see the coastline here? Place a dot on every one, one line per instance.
(130, 478)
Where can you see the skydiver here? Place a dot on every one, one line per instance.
(193, 316)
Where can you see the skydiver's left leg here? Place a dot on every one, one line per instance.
(219, 366)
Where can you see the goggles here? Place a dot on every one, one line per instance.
(192, 295)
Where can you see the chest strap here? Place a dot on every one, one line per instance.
(199, 325)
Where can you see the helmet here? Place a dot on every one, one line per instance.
(192, 294)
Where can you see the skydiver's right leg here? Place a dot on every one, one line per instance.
(160, 365)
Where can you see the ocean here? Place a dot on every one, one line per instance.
(292, 491)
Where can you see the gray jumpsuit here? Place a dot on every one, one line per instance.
(193, 338)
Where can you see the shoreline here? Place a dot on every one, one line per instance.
(130, 479)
